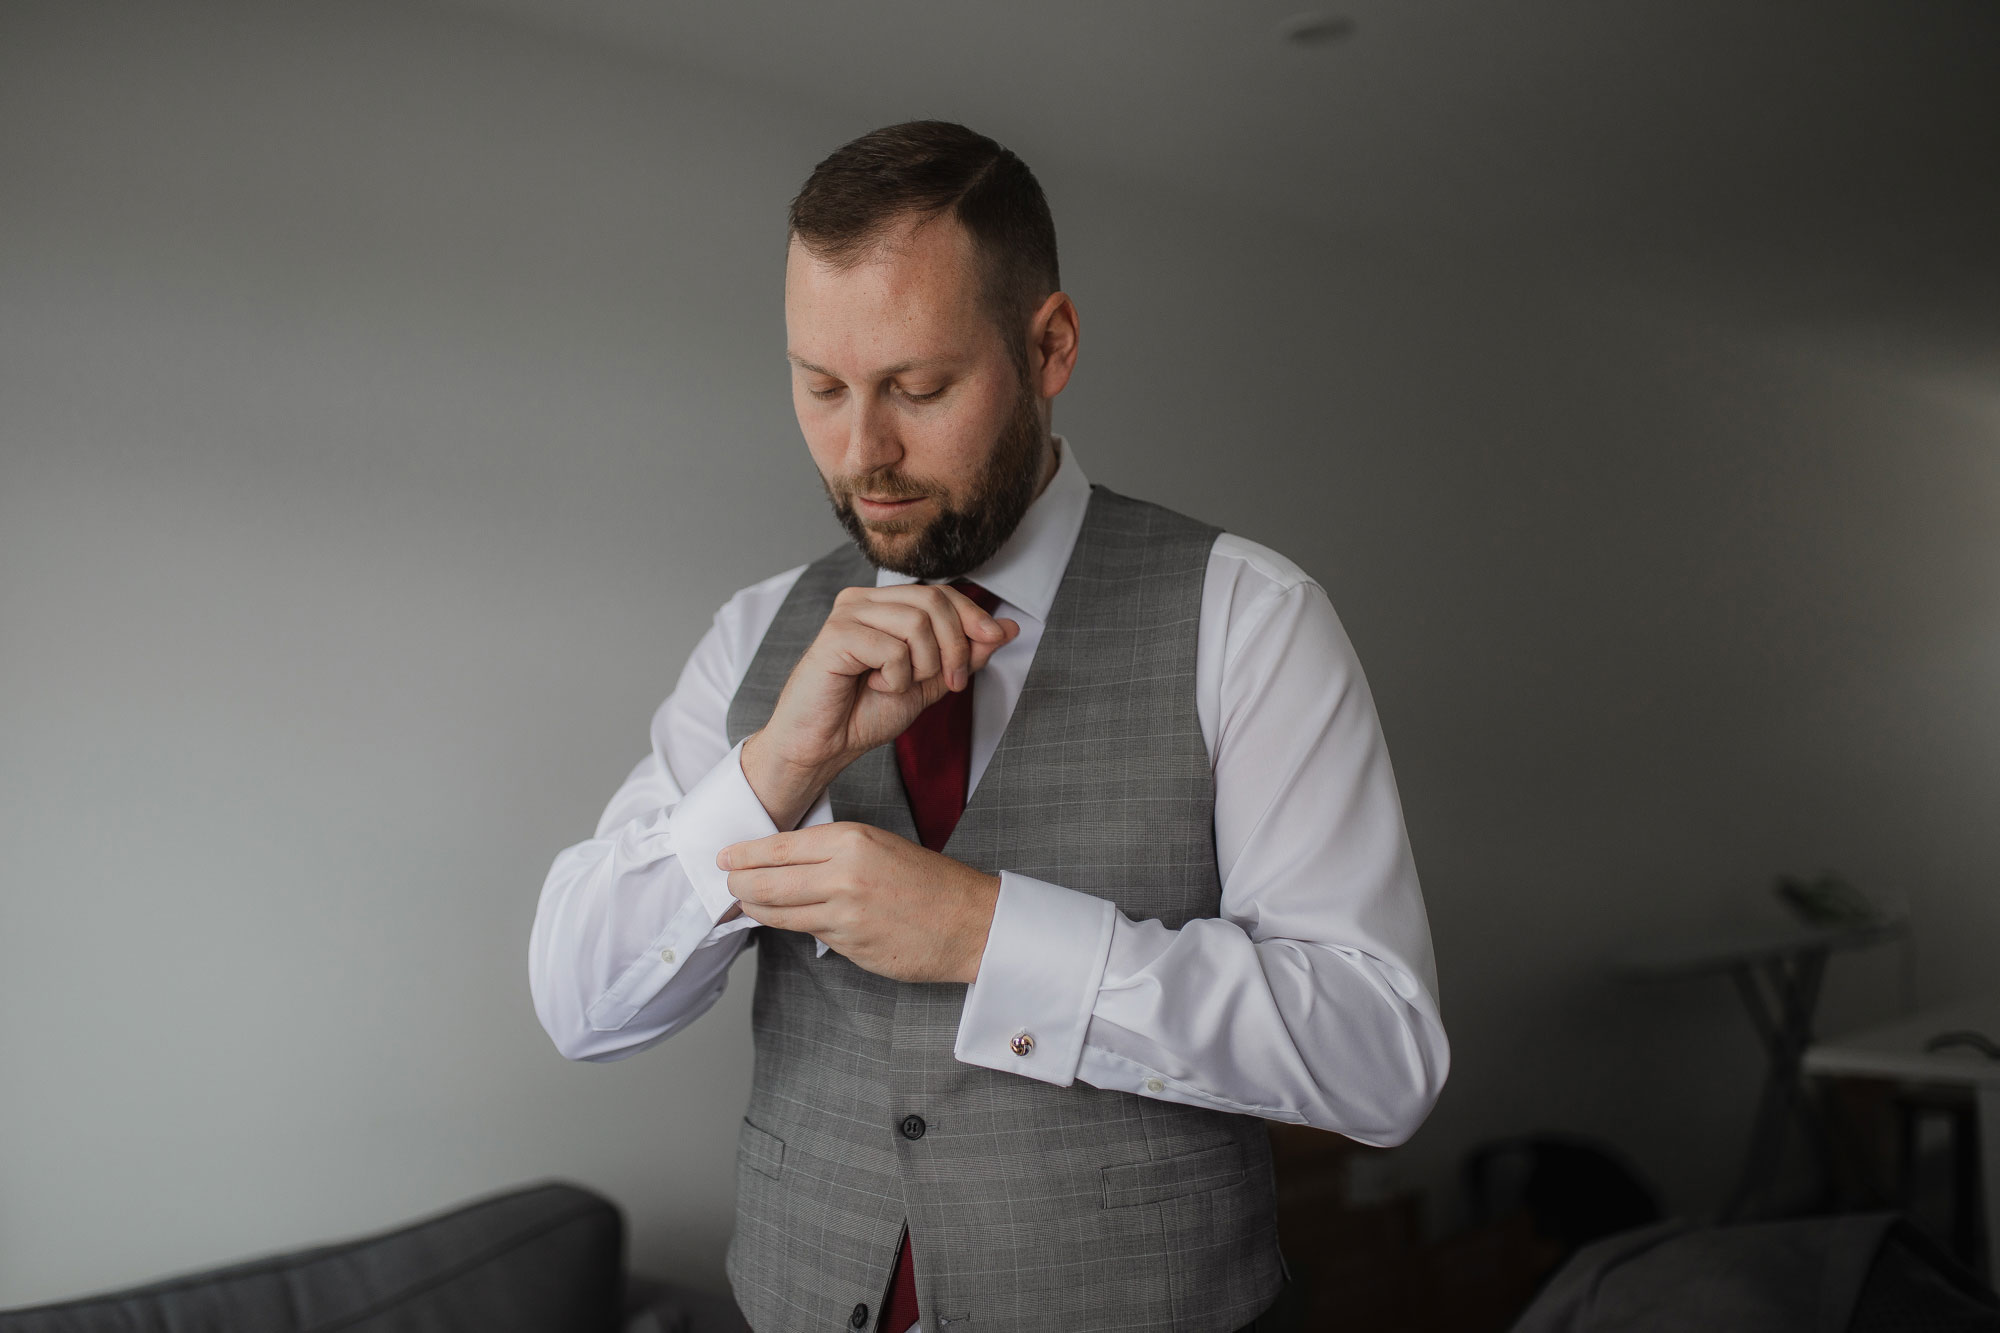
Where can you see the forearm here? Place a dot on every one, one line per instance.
(624, 951)
(1284, 1029)
(1315, 1034)
(636, 927)
(786, 791)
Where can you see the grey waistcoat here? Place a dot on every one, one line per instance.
(1031, 1208)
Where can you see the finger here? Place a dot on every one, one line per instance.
(776, 886)
(982, 653)
(882, 657)
(978, 625)
(947, 609)
(915, 626)
(954, 648)
(806, 846)
(810, 919)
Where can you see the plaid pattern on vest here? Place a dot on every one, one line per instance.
(1032, 1207)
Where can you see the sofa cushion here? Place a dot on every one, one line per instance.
(544, 1259)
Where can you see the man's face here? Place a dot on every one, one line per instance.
(928, 440)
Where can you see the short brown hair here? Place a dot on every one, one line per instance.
(925, 169)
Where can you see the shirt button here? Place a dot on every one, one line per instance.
(666, 955)
(1154, 1085)
(1022, 1042)
(859, 1317)
(913, 1126)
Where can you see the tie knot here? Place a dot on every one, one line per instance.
(985, 600)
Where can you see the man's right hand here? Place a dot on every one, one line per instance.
(883, 656)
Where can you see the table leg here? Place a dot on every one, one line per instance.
(1784, 1027)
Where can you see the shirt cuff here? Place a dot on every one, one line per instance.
(719, 810)
(1030, 1006)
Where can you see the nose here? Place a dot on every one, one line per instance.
(872, 441)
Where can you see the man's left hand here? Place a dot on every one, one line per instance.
(885, 903)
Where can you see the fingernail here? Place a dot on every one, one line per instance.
(958, 678)
(722, 859)
(991, 628)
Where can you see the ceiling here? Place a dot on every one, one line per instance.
(1560, 119)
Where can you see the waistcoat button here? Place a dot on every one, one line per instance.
(913, 1126)
(859, 1317)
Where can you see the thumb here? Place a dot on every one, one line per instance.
(983, 651)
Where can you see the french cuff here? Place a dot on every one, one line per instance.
(821, 813)
(1038, 980)
(721, 809)
(717, 811)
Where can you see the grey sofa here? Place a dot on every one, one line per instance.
(541, 1259)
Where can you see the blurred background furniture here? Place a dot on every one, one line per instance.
(1869, 1273)
(1939, 1058)
(1363, 1257)
(1777, 972)
(541, 1259)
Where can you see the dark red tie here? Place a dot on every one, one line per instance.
(935, 754)
(935, 759)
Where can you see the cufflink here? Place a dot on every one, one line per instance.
(1022, 1042)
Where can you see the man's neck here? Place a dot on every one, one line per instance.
(1051, 461)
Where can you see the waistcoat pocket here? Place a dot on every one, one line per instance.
(760, 1150)
(1168, 1177)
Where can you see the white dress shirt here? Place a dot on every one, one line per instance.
(1311, 999)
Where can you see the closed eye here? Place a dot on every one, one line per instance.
(930, 397)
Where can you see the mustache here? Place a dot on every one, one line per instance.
(882, 486)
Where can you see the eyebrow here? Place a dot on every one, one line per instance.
(899, 368)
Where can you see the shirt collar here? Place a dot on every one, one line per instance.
(1028, 567)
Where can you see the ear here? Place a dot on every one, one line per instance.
(1052, 342)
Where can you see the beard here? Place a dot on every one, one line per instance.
(957, 540)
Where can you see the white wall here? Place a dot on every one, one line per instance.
(388, 398)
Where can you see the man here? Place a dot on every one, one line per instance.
(1032, 963)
